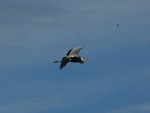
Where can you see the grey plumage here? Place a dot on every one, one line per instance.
(72, 56)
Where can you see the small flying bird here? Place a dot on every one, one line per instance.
(72, 56)
(118, 25)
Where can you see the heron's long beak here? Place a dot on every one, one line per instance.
(86, 59)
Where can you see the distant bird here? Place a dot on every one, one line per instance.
(72, 56)
(118, 25)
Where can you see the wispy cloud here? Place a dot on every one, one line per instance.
(143, 108)
(54, 94)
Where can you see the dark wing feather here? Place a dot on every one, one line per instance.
(64, 62)
(69, 51)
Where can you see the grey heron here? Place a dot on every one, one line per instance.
(72, 56)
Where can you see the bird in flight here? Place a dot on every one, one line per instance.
(118, 25)
(72, 56)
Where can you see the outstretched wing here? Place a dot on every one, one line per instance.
(74, 51)
(64, 62)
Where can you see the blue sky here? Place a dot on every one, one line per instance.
(35, 33)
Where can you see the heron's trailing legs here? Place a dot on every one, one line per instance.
(56, 61)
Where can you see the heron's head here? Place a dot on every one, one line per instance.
(84, 59)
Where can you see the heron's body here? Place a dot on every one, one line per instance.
(72, 56)
(76, 59)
